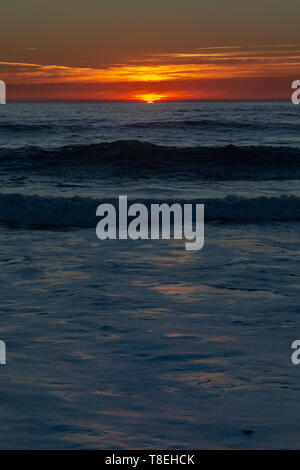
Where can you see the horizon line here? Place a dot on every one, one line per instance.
(144, 102)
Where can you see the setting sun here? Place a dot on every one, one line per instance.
(150, 97)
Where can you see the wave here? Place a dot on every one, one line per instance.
(195, 123)
(54, 127)
(136, 158)
(19, 209)
(14, 127)
(185, 124)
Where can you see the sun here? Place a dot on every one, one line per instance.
(150, 97)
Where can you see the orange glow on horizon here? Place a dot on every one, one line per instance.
(209, 74)
(150, 97)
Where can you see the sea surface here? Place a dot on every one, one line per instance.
(141, 344)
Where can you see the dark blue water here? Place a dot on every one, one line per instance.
(164, 150)
(181, 124)
(141, 344)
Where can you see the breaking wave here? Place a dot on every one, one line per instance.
(19, 209)
(143, 158)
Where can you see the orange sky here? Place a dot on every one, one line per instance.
(83, 53)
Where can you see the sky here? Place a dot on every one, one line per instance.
(149, 49)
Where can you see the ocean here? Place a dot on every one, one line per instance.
(141, 344)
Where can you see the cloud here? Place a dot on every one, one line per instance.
(222, 62)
